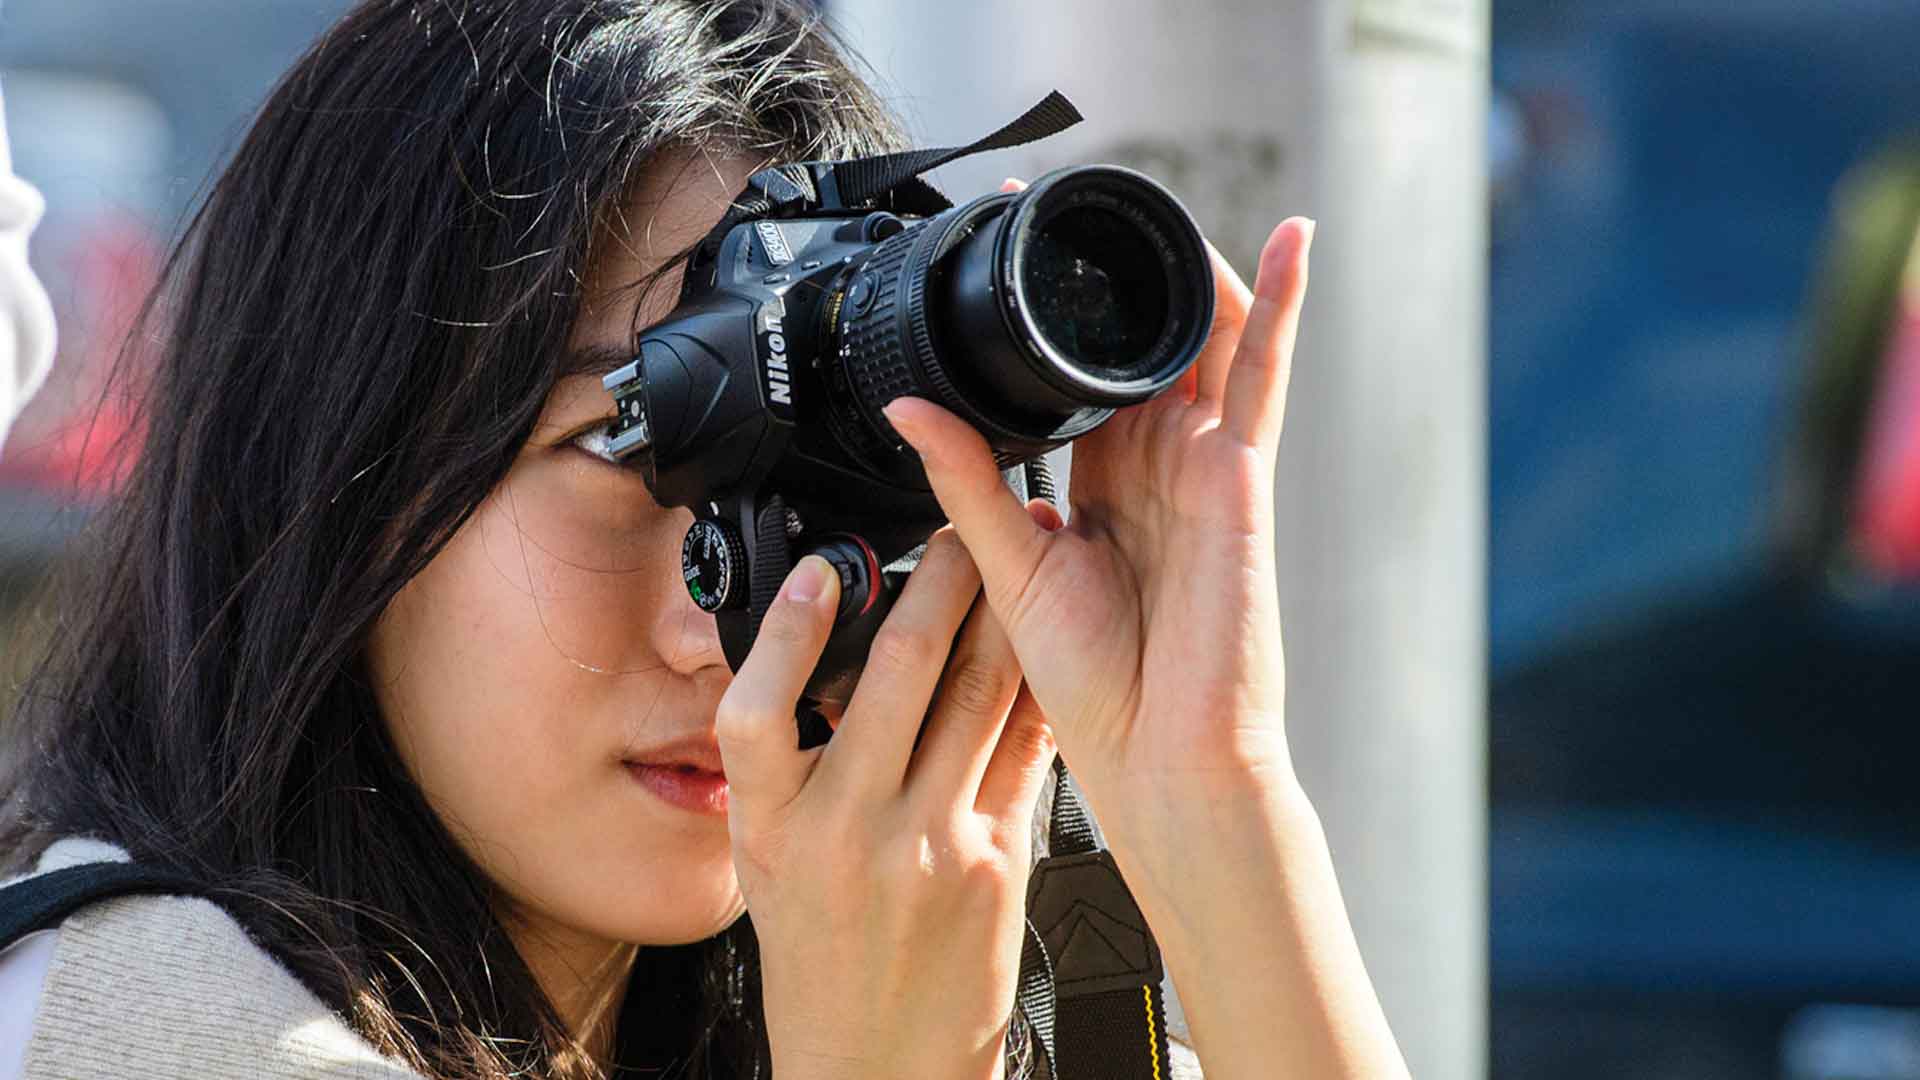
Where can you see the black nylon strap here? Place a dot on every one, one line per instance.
(1120, 1034)
(867, 178)
(1071, 826)
(1035, 997)
(1103, 1014)
(887, 181)
(1040, 483)
(44, 902)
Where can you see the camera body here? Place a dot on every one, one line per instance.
(757, 402)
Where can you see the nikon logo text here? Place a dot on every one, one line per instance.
(779, 378)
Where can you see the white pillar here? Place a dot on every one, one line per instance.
(1367, 115)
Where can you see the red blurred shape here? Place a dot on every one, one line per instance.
(81, 439)
(1887, 504)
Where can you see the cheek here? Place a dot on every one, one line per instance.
(514, 671)
(583, 570)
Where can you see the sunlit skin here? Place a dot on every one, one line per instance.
(548, 644)
(548, 641)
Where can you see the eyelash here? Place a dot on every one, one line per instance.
(595, 440)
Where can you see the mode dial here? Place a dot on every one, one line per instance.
(713, 563)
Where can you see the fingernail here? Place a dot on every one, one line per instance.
(1306, 241)
(896, 416)
(807, 581)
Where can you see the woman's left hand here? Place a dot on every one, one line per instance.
(1148, 627)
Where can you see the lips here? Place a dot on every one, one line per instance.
(684, 787)
(684, 755)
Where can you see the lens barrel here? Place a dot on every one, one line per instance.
(1032, 315)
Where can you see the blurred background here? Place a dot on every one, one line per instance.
(1669, 255)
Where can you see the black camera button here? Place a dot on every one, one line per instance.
(880, 225)
(861, 293)
(859, 568)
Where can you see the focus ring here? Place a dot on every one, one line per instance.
(872, 348)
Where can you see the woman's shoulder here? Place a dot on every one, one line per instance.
(167, 986)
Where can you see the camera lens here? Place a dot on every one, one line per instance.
(1098, 294)
(1031, 315)
(1092, 288)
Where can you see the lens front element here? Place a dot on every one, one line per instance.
(1097, 290)
(1092, 289)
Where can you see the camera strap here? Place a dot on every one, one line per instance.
(1090, 972)
(866, 179)
(882, 182)
(1090, 987)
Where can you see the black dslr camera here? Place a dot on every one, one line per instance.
(831, 288)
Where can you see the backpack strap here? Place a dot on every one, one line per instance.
(44, 901)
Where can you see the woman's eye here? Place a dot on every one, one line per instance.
(598, 441)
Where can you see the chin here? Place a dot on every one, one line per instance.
(689, 907)
(683, 928)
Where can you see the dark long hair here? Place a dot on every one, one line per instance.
(358, 331)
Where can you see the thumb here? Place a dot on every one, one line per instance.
(759, 744)
(1005, 541)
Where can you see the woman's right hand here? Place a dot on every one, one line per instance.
(887, 883)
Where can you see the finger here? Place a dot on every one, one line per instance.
(1005, 541)
(1232, 298)
(1256, 392)
(1010, 788)
(758, 742)
(870, 750)
(1046, 515)
(1013, 184)
(969, 707)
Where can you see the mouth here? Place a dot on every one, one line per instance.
(682, 786)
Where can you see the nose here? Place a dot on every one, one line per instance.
(688, 637)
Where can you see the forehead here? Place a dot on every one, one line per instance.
(679, 198)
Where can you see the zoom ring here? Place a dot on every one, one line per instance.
(884, 345)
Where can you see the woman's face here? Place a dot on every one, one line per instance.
(551, 644)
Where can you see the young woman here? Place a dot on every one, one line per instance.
(377, 642)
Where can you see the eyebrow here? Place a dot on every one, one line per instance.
(594, 360)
